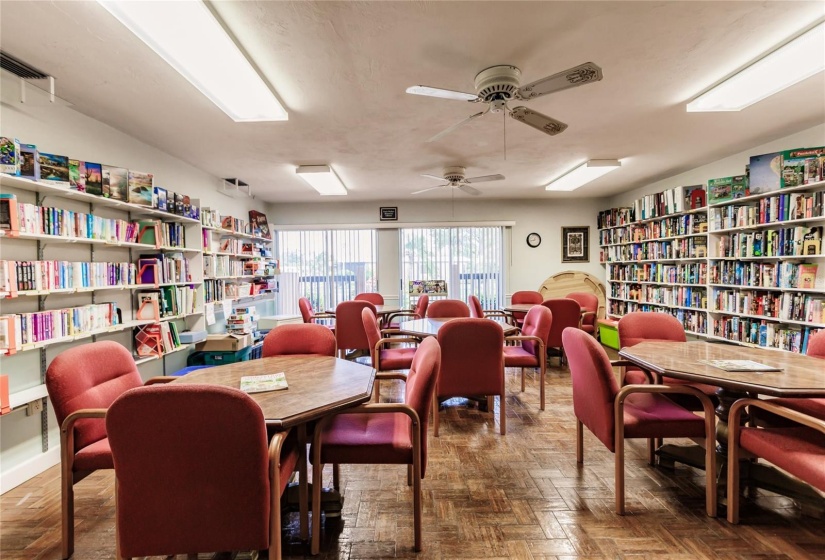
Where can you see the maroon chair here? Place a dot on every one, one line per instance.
(305, 338)
(472, 364)
(385, 433)
(479, 313)
(373, 297)
(524, 296)
(634, 411)
(386, 360)
(194, 472)
(447, 308)
(533, 349)
(589, 303)
(82, 383)
(349, 328)
(309, 316)
(798, 450)
(566, 313)
(420, 311)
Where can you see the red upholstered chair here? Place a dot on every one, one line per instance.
(82, 382)
(386, 360)
(373, 297)
(419, 312)
(634, 411)
(307, 338)
(349, 328)
(799, 450)
(309, 316)
(566, 313)
(533, 349)
(524, 296)
(472, 364)
(195, 473)
(383, 433)
(447, 308)
(589, 304)
(479, 313)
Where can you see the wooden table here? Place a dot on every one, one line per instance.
(800, 376)
(380, 309)
(430, 327)
(520, 307)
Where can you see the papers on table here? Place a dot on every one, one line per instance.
(263, 383)
(739, 365)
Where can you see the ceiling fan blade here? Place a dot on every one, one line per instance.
(430, 189)
(436, 177)
(443, 93)
(469, 190)
(570, 78)
(538, 121)
(485, 178)
(455, 126)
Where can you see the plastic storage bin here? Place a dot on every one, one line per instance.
(609, 333)
(187, 369)
(215, 358)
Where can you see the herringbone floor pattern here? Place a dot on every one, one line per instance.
(488, 497)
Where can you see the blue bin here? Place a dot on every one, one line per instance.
(186, 370)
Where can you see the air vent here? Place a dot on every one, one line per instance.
(20, 68)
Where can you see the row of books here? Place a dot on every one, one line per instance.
(687, 248)
(156, 339)
(40, 326)
(214, 290)
(774, 209)
(244, 320)
(672, 226)
(162, 234)
(795, 241)
(167, 301)
(686, 273)
(670, 201)
(257, 224)
(615, 217)
(221, 265)
(163, 268)
(766, 275)
(783, 306)
(764, 333)
(58, 275)
(692, 321)
(682, 296)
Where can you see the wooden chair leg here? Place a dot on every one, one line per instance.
(542, 376)
(409, 475)
(336, 477)
(651, 451)
(579, 442)
(733, 479)
(416, 476)
(711, 491)
(435, 415)
(377, 387)
(502, 413)
(67, 506)
(619, 472)
(317, 467)
(522, 380)
(491, 405)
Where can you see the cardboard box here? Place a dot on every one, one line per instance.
(224, 343)
(803, 166)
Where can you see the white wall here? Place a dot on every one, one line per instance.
(61, 130)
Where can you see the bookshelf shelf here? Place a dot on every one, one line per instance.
(24, 397)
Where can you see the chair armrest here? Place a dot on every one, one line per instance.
(383, 341)
(497, 313)
(587, 313)
(392, 316)
(276, 444)
(626, 363)
(523, 337)
(157, 380)
(324, 315)
(627, 390)
(67, 433)
(799, 417)
(390, 375)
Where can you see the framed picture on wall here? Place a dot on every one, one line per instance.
(575, 244)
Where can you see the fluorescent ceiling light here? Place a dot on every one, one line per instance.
(793, 62)
(445, 93)
(322, 178)
(189, 37)
(583, 174)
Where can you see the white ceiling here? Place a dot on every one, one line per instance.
(341, 69)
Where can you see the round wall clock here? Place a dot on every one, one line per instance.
(534, 240)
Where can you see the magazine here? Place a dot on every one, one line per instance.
(262, 383)
(739, 365)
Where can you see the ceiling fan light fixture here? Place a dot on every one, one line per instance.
(583, 174)
(323, 179)
(791, 63)
(443, 93)
(189, 37)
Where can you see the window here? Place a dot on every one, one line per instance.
(469, 259)
(331, 266)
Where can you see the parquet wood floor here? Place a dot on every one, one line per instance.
(487, 497)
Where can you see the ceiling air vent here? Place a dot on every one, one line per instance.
(235, 188)
(20, 68)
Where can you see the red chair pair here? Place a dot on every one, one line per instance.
(532, 352)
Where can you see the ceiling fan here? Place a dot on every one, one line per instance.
(456, 179)
(497, 85)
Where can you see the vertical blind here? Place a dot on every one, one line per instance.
(469, 259)
(332, 265)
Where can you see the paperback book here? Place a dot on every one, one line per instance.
(263, 383)
(141, 188)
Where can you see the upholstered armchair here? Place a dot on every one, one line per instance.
(388, 362)
(305, 338)
(309, 315)
(566, 313)
(477, 311)
(524, 296)
(394, 320)
(589, 304)
(447, 308)
(349, 328)
(373, 297)
(532, 352)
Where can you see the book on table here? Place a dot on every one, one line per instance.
(263, 383)
(739, 365)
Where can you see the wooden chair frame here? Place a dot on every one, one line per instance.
(542, 362)
(490, 407)
(376, 361)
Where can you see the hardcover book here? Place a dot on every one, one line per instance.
(806, 278)
(94, 178)
(29, 162)
(115, 182)
(178, 204)
(812, 241)
(54, 168)
(160, 196)
(170, 202)
(257, 221)
(9, 155)
(263, 383)
(141, 188)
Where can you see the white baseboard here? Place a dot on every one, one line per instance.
(29, 469)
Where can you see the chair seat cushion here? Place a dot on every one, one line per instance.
(811, 407)
(654, 415)
(589, 329)
(800, 451)
(396, 358)
(367, 439)
(96, 456)
(517, 356)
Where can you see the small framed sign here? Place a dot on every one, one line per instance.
(389, 213)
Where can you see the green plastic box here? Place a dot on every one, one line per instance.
(216, 358)
(609, 333)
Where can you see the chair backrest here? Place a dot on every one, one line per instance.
(816, 345)
(594, 384)
(538, 322)
(90, 376)
(306, 309)
(588, 302)
(472, 360)
(373, 297)
(639, 326)
(421, 305)
(420, 387)
(527, 296)
(302, 338)
(192, 470)
(475, 307)
(446, 308)
(349, 327)
(372, 330)
(566, 313)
